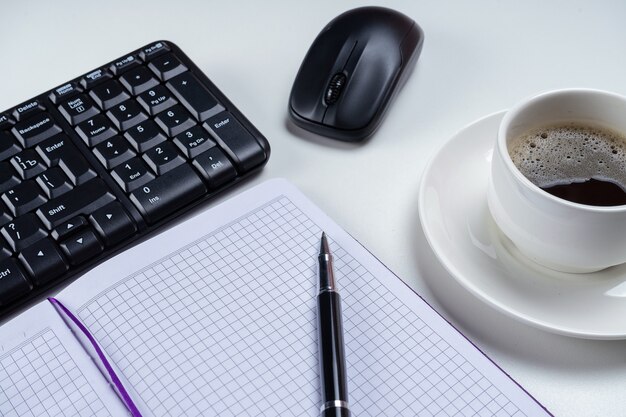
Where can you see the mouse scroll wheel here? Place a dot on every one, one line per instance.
(334, 88)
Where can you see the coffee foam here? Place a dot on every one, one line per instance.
(570, 152)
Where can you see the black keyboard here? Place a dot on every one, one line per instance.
(109, 157)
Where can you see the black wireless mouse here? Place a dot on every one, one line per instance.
(352, 71)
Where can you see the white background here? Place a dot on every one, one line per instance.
(479, 57)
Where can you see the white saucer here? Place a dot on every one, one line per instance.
(459, 228)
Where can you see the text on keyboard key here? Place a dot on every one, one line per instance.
(194, 96)
(215, 167)
(36, 129)
(194, 141)
(108, 94)
(28, 164)
(144, 136)
(138, 80)
(43, 261)
(166, 66)
(163, 157)
(26, 110)
(126, 114)
(113, 152)
(167, 193)
(23, 231)
(174, 120)
(53, 182)
(81, 246)
(242, 148)
(132, 174)
(156, 100)
(96, 129)
(24, 197)
(83, 199)
(78, 109)
(95, 77)
(13, 281)
(8, 177)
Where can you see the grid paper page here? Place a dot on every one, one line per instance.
(226, 326)
(38, 378)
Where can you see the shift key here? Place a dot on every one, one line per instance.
(83, 199)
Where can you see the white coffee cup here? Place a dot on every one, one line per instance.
(551, 231)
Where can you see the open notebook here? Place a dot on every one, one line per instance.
(216, 317)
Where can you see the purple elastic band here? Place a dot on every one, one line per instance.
(134, 412)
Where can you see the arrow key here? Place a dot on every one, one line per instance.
(43, 261)
(112, 223)
(81, 246)
(67, 228)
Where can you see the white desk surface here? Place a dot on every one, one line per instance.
(479, 57)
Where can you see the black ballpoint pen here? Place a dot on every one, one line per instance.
(333, 378)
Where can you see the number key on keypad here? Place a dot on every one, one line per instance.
(156, 99)
(175, 120)
(132, 174)
(96, 130)
(145, 135)
(126, 114)
(113, 152)
(163, 157)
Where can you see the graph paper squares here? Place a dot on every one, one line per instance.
(226, 326)
(40, 379)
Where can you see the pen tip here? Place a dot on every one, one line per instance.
(324, 249)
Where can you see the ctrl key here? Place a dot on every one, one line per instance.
(13, 281)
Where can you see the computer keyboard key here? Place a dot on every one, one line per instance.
(194, 96)
(36, 129)
(132, 174)
(167, 193)
(43, 261)
(194, 141)
(138, 80)
(112, 223)
(163, 157)
(5, 215)
(67, 228)
(64, 92)
(156, 99)
(26, 110)
(5, 252)
(8, 145)
(81, 246)
(126, 114)
(83, 199)
(95, 77)
(113, 152)
(215, 167)
(96, 130)
(53, 182)
(8, 177)
(124, 64)
(166, 66)
(74, 165)
(13, 281)
(153, 50)
(174, 120)
(241, 147)
(23, 231)
(144, 136)
(28, 164)
(78, 109)
(108, 94)
(24, 197)
(51, 149)
(5, 121)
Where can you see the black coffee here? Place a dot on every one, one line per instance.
(584, 164)
(592, 192)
